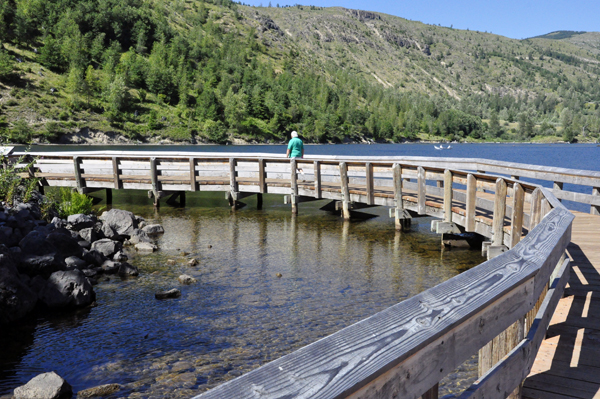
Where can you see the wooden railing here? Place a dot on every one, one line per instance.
(405, 350)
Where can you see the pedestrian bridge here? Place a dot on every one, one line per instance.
(528, 311)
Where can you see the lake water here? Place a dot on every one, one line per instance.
(240, 315)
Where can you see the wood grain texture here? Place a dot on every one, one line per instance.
(471, 202)
(369, 183)
(345, 191)
(233, 185)
(317, 178)
(421, 181)
(352, 358)
(448, 196)
(499, 213)
(115, 170)
(193, 184)
(516, 221)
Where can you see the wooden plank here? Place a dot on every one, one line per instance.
(426, 336)
(156, 187)
(421, 181)
(448, 196)
(471, 203)
(115, 167)
(293, 177)
(595, 209)
(262, 176)
(317, 177)
(536, 208)
(233, 185)
(516, 221)
(499, 213)
(78, 179)
(193, 183)
(504, 377)
(369, 178)
(345, 190)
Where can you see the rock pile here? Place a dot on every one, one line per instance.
(55, 264)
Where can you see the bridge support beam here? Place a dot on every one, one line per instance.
(109, 198)
(345, 191)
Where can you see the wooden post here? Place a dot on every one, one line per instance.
(397, 174)
(115, 165)
(294, 186)
(259, 201)
(536, 208)
(499, 213)
(370, 187)
(78, 178)
(233, 185)
(422, 191)
(448, 196)
(193, 184)
(182, 199)
(432, 393)
(557, 186)
(155, 183)
(317, 167)
(595, 209)
(546, 208)
(109, 200)
(471, 202)
(345, 190)
(516, 221)
(261, 177)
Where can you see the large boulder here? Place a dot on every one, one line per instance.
(107, 247)
(67, 289)
(16, 298)
(74, 262)
(109, 232)
(43, 265)
(66, 244)
(80, 221)
(35, 243)
(93, 257)
(123, 222)
(89, 234)
(127, 269)
(45, 386)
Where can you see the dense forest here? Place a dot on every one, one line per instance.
(216, 71)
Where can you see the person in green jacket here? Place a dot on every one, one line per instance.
(295, 147)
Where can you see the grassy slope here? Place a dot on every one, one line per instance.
(383, 49)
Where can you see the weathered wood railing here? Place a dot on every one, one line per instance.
(501, 306)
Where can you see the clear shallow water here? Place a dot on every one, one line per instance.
(239, 315)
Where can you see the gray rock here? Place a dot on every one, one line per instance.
(67, 289)
(94, 257)
(138, 236)
(80, 221)
(37, 284)
(120, 257)
(127, 269)
(186, 280)
(74, 262)
(153, 229)
(84, 244)
(43, 265)
(173, 293)
(58, 222)
(35, 243)
(146, 247)
(123, 222)
(64, 243)
(99, 391)
(89, 272)
(16, 298)
(107, 247)
(109, 232)
(44, 386)
(3, 216)
(110, 267)
(89, 234)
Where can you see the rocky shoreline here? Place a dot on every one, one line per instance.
(54, 266)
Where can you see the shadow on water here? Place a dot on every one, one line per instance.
(240, 314)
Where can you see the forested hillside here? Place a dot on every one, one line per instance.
(218, 71)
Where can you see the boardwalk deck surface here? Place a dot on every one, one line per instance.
(568, 362)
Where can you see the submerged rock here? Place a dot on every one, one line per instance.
(127, 269)
(123, 222)
(186, 280)
(99, 391)
(45, 386)
(153, 229)
(146, 247)
(173, 293)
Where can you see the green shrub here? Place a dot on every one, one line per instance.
(63, 115)
(53, 131)
(12, 185)
(21, 132)
(72, 202)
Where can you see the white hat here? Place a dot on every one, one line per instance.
(294, 134)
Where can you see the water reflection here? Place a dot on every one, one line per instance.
(240, 314)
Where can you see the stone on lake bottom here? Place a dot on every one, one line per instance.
(44, 386)
(193, 262)
(171, 262)
(173, 293)
(99, 391)
(186, 279)
(146, 247)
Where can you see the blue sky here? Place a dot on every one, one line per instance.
(511, 18)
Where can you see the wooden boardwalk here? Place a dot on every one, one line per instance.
(568, 362)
